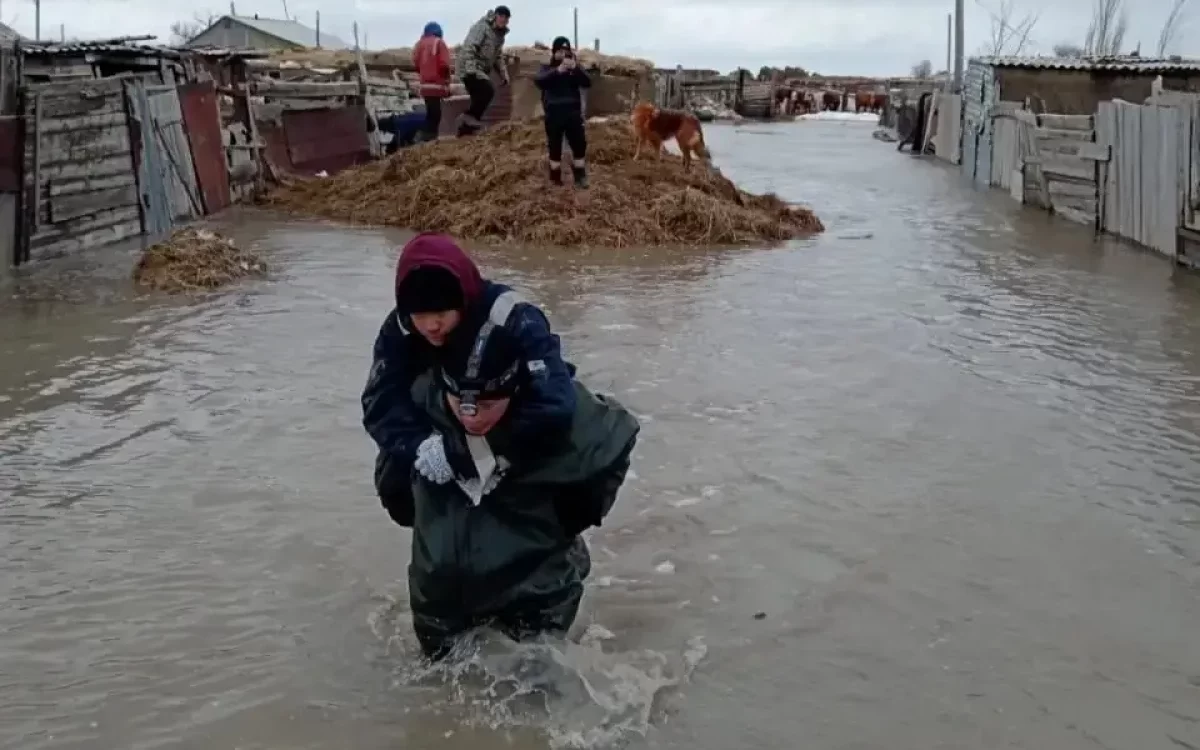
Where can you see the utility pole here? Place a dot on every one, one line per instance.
(37, 20)
(959, 43)
(949, 49)
(575, 41)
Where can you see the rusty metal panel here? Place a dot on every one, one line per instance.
(275, 148)
(202, 125)
(12, 154)
(327, 139)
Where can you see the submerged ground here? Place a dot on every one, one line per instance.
(929, 480)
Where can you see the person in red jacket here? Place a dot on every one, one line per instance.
(431, 57)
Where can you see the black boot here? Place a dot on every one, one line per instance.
(581, 178)
(556, 175)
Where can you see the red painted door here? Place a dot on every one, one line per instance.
(202, 123)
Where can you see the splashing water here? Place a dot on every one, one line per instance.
(578, 695)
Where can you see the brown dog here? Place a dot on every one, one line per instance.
(655, 126)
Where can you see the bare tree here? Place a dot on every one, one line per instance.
(922, 70)
(183, 32)
(1068, 50)
(1167, 35)
(1106, 32)
(1009, 35)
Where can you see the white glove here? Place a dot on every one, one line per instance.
(431, 460)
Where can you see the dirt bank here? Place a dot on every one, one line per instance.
(493, 188)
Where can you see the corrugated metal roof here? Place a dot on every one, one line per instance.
(292, 31)
(8, 33)
(79, 48)
(1124, 63)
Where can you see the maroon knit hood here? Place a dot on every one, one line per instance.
(428, 250)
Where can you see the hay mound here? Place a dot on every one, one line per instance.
(493, 188)
(195, 260)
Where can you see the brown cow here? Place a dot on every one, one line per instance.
(879, 103)
(863, 101)
(830, 101)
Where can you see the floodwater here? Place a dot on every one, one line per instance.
(930, 480)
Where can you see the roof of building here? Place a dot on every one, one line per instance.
(8, 33)
(1119, 63)
(288, 30)
(108, 47)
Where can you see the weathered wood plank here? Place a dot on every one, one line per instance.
(303, 89)
(74, 106)
(84, 145)
(1053, 174)
(86, 138)
(66, 207)
(1084, 150)
(1066, 122)
(92, 88)
(84, 224)
(105, 165)
(1072, 189)
(84, 122)
(381, 85)
(90, 183)
(1067, 135)
(98, 237)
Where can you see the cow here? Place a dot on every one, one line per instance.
(863, 101)
(879, 103)
(830, 101)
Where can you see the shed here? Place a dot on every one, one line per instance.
(1063, 86)
(252, 32)
(66, 61)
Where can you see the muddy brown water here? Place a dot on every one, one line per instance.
(930, 480)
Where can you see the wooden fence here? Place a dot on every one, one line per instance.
(78, 168)
(1062, 164)
(1048, 160)
(1151, 188)
(1130, 170)
(947, 136)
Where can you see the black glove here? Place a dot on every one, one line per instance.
(393, 483)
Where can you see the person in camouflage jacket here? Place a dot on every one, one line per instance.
(481, 53)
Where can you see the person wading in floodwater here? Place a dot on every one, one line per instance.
(431, 57)
(479, 55)
(562, 82)
(488, 449)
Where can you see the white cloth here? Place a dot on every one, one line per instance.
(488, 466)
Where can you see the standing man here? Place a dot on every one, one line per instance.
(431, 57)
(562, 82)
(480, 54)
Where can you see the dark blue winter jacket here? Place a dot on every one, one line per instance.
(562, 91)
(401, 354)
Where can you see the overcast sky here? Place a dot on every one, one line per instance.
(869, 37)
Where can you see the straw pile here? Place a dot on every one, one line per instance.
(493, 188)
(611, 64)
(401, 57)
(193, 260)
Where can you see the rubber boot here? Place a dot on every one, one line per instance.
(556, 175)
(581, 178)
